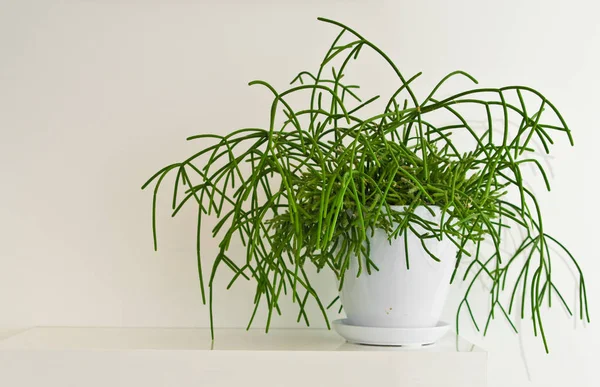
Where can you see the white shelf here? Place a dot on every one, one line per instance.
(187, 357)
(7, 332)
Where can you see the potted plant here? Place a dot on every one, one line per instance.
(392, 202)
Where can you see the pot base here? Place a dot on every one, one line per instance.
(396, 337)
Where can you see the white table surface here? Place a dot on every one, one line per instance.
(149, 357)
(88, 338)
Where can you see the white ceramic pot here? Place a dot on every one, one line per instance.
(396, 296)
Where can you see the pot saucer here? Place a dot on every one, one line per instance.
(397, 337)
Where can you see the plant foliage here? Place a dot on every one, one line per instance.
(324, 176)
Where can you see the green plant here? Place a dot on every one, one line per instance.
(324, 176)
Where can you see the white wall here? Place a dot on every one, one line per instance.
(96, 95)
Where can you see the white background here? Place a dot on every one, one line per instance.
(95, 96)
